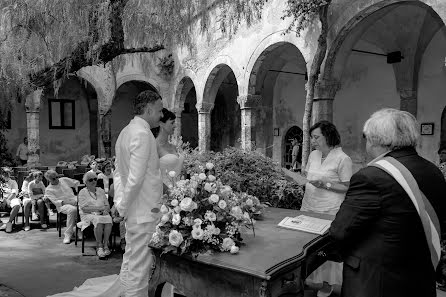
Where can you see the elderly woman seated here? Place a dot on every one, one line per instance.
(8, 200)
(94, 209)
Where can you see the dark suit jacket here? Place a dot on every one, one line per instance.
(379, 233)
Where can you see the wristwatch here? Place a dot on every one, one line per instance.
(328, 186)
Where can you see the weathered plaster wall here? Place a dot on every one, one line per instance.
(368, 84)
(15, 135)
(289, 105)
(432, 94)
(67, 144)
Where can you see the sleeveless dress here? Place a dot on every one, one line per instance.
(337, 167)
(110, 285)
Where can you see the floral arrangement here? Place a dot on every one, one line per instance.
(202, 215)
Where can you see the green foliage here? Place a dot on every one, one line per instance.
(250, 172)
(303, 13)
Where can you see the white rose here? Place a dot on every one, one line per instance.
(210, 216)
(249, 202)
(234, 249)
(222, 204)
(175, 238)
(164, 209)
(172, 173)
(226, 245)
(237, 212)
(217, 231)
(202, 176)
(209, 165)
(174, 202)
(165, 218)
(177, 209)
(187, 204)
(211, 178)
(155, 238)
(214, 198)
(246, 216)
(198, 222)
(176, 219)
(208, 187)
(197, 233)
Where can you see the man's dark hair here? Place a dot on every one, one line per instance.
(140, 102)
(329, 131)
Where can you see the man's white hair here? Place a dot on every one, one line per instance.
(392, 128)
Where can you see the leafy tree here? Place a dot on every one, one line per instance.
(304, 13)
(41, 41)
(6, 158)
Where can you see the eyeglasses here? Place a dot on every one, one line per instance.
(92, 179)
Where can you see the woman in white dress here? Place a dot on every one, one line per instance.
(170, 159)
(94, 209)
(328, 172)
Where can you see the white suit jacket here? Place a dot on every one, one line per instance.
(137, 178)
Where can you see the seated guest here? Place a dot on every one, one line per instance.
(106, 175)
(36, 190)
(94, 209)
(380, 229)
(59, 192)
(9, 202)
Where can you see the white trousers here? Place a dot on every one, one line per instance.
(138, 261)
(71, 212)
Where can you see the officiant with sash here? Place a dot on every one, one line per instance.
(326, 179)
(388, 227)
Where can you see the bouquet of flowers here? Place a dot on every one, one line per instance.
(201, 215)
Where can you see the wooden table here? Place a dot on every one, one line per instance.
(273, 263)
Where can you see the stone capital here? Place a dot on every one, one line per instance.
(32, 103)
(408, 93)
(326, 88)
(249, 101)
(204, 107)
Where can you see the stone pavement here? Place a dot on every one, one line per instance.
(36, 263)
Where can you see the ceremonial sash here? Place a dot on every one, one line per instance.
(429, 218)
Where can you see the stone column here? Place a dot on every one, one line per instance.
(409, 101)
(32, 108)
(204, 126)
(248, 103)
(105, 135)
(324, 95)
(177, 132)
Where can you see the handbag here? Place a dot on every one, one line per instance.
(427, 214)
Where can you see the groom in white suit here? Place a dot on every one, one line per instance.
(138, 190)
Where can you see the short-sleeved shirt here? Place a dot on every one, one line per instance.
(337, 167)
(22, 151)
(36, 190)
(10, 187)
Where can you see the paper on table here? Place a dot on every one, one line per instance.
(298, 178)
(306, 224)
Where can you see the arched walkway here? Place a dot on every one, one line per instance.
(278, 77)
(186, 97)
(121, 111)
(381, 59)
(221, 91)
(68, 122)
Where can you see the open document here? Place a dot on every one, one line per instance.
(306, 224)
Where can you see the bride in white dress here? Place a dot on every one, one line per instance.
(170, 160)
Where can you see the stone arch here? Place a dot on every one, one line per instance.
(292, 132)
(185, 108)
(278, 78)
(217, 72)
(352, 15)
(258, 58)
(121, 111)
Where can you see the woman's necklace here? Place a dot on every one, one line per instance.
(92, 195)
